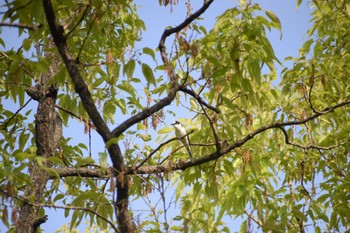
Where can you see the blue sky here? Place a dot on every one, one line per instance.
(294, 26)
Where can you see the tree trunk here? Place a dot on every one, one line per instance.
(48, 132)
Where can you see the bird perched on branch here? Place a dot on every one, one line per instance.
(182, 135)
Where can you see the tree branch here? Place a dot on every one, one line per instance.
(84, 172)
(223, 151)
(199, 99)
(121, 205)
(310, 146)
(28, 202)
(154, 151)
(21, 25)
(147, 112)
(5, 124)
(174, 86)
(73, 70)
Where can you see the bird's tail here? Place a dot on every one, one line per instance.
(189, 152)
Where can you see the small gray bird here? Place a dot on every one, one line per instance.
(181, 134)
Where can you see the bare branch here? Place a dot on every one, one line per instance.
(21, 25)
(213, 129)
(170, 31)
(80, 20)
(36, 204)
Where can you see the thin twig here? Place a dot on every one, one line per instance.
(79, 21)
(154, 151)
(26, 201)
(213, 129)
(310, 146)
(253, 218)
(4, 126)
(236, 144)
(75, 115)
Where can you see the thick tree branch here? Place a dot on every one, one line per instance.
(121, 205)
(174, 86)
(84, 172)
(199, 99)
(73, 70)
(147, 112)
(225, 150)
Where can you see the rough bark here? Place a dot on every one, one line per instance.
(48, 132)
(125, 223)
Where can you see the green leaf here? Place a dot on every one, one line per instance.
(274, 19)
(298, 3)
(20, 155)
(146, 138)
(129, 68)
(113, 141)
(148, 73)
(58, 197)
(122, 105)
(127, 87)
(306, 46)
(85, 161)
(97, 83)
(149, 52)
(246, 85)
(23, 138)
(297, 213)
(165, 130)
(56, 160)
(103, 160)
(27, 43)
(51, 171)
(109, 110)
(160, 90)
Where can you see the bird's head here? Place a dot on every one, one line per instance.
(176, 123)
